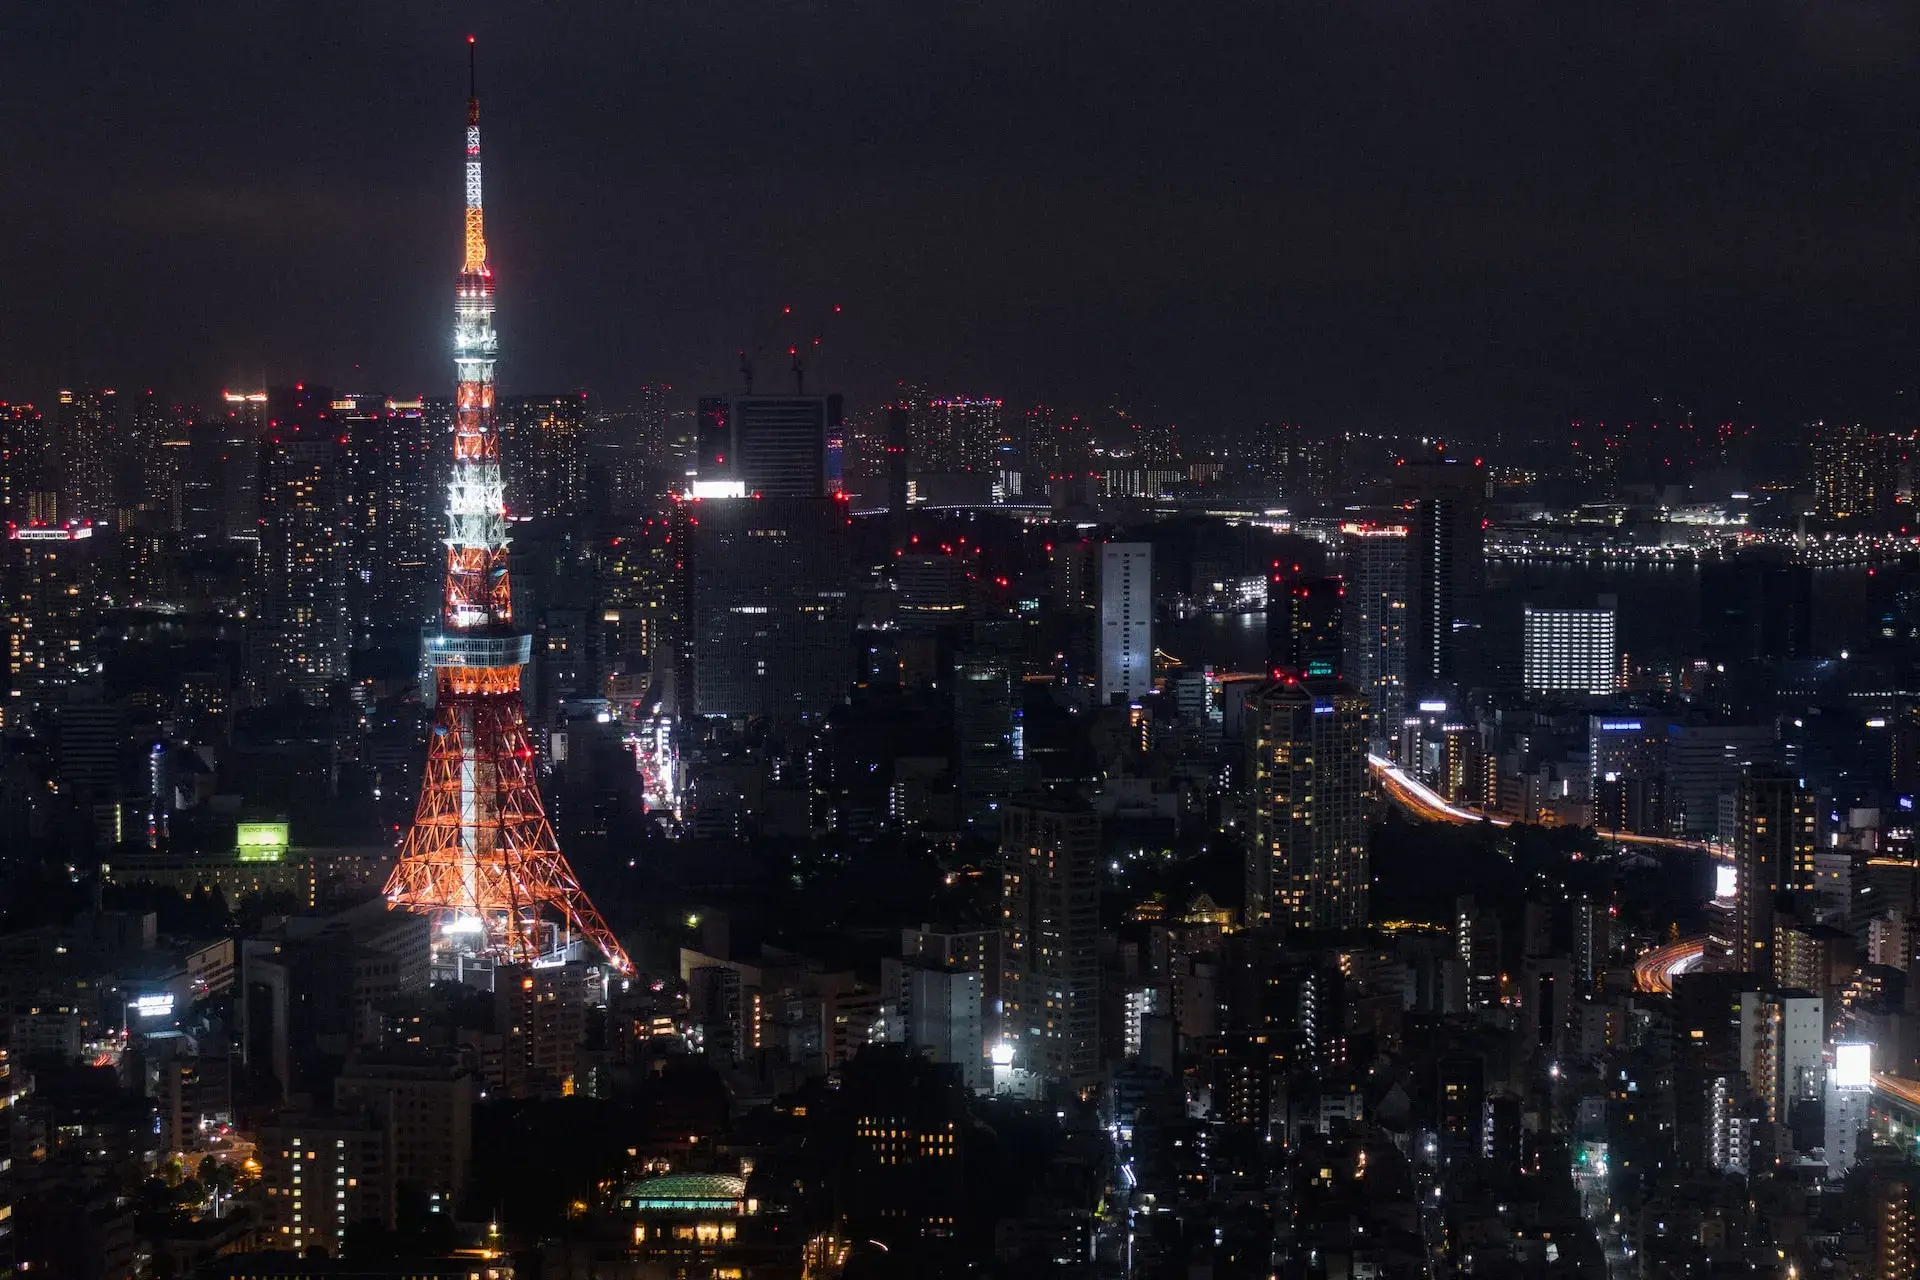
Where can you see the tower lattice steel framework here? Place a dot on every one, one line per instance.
(481, 857)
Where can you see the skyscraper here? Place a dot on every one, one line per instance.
(392, 532)
(769, 630)
(1773, 846)
(1855, 474)
(1304, 625)
(1050, 918)
(1374, 620)
(898, 446)
(1569, 650)
(298, 640)
(1307, 864)
(481, 858)
(985, 677)
(970, 429)
(83, 451)
(54, 599)
(1446, 567)
(1126, 621)
(775, 446)
(546, 436)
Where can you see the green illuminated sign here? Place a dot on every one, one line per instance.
(261, 841)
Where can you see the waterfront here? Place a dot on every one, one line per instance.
(1658, 608)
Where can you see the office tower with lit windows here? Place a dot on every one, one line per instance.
(322, 1174)
(299, 637)
(1304, 625)
(1569, 650)
(1306, 774)
(22, 459)
(1374, 620)
(392, 534)
(547, 438)
(1893, 1222)
(769, 631)
(641, 593)
(1126, 621)
(1856, 474)
(83, 444)
(1446, 569)
(1773, 844)
(1050, 937)
(55, 598)
(765, 561)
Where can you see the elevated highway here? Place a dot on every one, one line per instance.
(1423, 802)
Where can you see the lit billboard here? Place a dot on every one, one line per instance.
(261, 841)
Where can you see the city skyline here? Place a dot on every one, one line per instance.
(1368, 236)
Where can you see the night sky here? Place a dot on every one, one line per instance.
(1478, 215)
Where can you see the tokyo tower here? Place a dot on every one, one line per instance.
(481, 857)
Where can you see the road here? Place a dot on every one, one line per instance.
(1422, 801)
(1899, 1088)
(1655, 971)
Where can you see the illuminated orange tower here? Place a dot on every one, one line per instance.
(481, 857)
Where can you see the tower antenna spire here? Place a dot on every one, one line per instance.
(473, 73)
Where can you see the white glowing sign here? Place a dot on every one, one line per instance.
(719, 488)
(156, 1006)
(1726, 882)
(1853, 1065)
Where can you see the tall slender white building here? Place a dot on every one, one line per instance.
(1126, 621)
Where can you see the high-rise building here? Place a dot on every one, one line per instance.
(1126, 621)
(986, 745)
(1893, 1222)
(84, 450)
(1756, 606)
(1569, 650)
(898, 446)
(1374, 620)
(769, 632)
(775, 446)
(546, 436)
(642, 592)
(299, 637)
(1856, 473)
(424, 1102)
(1782, 1040)
(1307, 864)
(940, 1010)
(1050, 926)
(962, 433)
(1773, 844)
(393, 538)
(481, 859)
(1446, 568)
(1304, 626)
(54, 601)
(322, 1174)
(23, 455)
